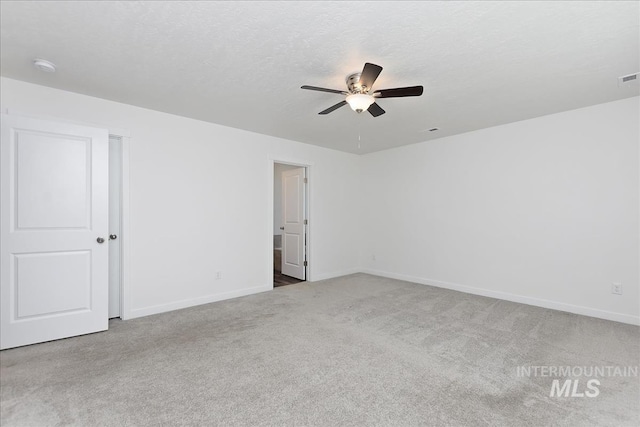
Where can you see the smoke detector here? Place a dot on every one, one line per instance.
(44, 65)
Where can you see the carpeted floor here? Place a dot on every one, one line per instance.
(352, 351)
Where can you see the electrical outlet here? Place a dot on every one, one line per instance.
(616, 288)
(218, 275)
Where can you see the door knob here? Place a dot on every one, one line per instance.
(100, 240)
(281, 228)
(113, 236)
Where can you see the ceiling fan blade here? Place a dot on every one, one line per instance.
(322, 89)
(333, 107)
(399, 92)
(375, 110)
(370, 73)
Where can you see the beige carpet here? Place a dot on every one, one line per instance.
(353, 351)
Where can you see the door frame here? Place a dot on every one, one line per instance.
(270, 206)
(125, 235)
(125, 244)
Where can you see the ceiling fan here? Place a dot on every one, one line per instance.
(360, 97)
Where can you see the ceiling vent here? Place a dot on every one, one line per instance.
(629, 78)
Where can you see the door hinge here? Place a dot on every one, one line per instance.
(305, 180)
(306, 222)
(305, 263)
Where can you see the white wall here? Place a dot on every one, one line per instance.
(543, 211)
(277, 196)
(200, 200)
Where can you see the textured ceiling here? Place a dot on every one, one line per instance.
(241, 64)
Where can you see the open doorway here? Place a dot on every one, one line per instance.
(115, 220)
(289, 224)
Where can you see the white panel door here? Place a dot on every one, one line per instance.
(293, 215)
(54, 194)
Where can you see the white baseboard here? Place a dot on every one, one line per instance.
(334, 274)
(554, 305)
(177, 305)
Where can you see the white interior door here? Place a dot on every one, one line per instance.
(54, 193)
(293, 216)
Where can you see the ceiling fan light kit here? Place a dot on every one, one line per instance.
(360, 96)
(360, 102)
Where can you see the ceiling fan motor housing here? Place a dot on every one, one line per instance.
(353, 84)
